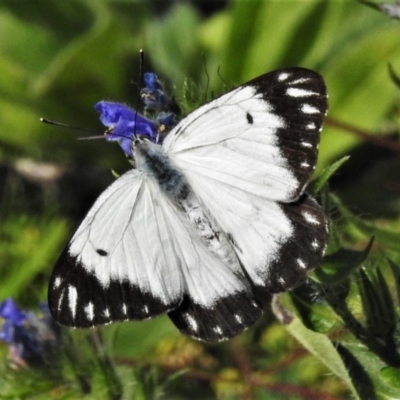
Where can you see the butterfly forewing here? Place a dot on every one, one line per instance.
(237, 228)
(262, 137)
(121, 263)
(299, 96)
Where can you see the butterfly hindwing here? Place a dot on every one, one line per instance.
(272, 240)
(302, 252)
(226, 317)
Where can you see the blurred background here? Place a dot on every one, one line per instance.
(59, 58)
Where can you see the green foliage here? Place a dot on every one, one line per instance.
(28, 246)
(339, 333)
(322, 180)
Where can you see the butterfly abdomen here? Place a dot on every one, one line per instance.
(211, 234)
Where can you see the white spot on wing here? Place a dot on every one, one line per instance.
(310, 218)
(306, 144)
(283, 76)
(89, 310)
(304, 165)
(57, 282)
(301, 264)
(296, 92)
(238, 318)
(218, 330)
(308, 109)
(124, 309)
(315, 244)
(146, 309)
(281, 280)
(72, 299)
(311, 126)
(107, 313)
(192, 322)
(60, 299)
(300, 80)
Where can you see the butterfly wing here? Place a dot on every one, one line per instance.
(262, 136)
(135, 256)
(248, 155)
(110, 269)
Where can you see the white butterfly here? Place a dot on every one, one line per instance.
(210, 222)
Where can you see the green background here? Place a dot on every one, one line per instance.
(58, 58)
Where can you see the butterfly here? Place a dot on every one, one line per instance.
(209, 223)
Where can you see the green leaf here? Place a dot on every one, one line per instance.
(318, 345)
(388, 238)
(361, 380)
(378, 307)
(395, 268)
(318, 183)
(350, 86)
(146, 334)
(382, 378)
(391, 377)
(395, 78)
(370, 4)
(173, 45)
(340, 265)
(317, 317)
(30, 247)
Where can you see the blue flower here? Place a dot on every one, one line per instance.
(152, 95)
(151, 81)
(166, 120)
(124, 123)
(13, 316)
(32, 339)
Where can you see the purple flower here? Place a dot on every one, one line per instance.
(166, 120)
(151, 81)
(152, 95)
(124, 123)
(32, 339)
(13, 316)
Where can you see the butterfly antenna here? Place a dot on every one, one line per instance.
(141, 55)
(208, 77)
(76, 128)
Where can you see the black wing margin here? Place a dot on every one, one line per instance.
(77, 299)
(299, 95)
(304, 250)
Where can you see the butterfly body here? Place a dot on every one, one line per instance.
(210, 222)
(152, 161)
